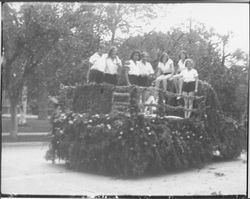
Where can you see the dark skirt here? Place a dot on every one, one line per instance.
(110, 78)
(96, 76)
(143, 81)
(133, 79)
(188, 86)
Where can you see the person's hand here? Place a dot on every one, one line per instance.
(119, 64)
(195, 91)
(126, 63)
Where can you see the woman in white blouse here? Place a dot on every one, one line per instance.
(180, 67)
(146, 71)
(96, 72)
(165, 71)
(189, 76)
(112, 66)
(132, 69)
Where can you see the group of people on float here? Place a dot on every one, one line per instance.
(139, 71)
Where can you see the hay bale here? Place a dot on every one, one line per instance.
(93, 98)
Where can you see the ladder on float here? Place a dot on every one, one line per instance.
(120, 102)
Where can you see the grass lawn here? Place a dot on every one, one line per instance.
(33, 125)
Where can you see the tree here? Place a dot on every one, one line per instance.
(27, 40)
(67, 61)
(224, 41)
(111, 18)
(13, 46)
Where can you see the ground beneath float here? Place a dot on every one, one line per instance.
(25, 171)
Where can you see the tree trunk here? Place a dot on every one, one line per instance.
(13, 118)
(22, 119)
(43, 104)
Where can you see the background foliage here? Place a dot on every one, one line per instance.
(48, 44)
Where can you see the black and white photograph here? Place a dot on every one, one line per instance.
(124, 99)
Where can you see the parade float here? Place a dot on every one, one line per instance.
(119, 131)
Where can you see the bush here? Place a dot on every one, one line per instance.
(125, 146)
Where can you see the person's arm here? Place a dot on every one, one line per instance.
(196, 81)
(181, 82)
(172, 69)
(158, 71)
(178, 70)
(119, 64)
(118, 61)
(151, 71)
(105, 62)
(126, 72)
(126, 76)
(196, 84)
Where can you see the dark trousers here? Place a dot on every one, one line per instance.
(110, 78)
(143, 81)
(96, 76)
(133, 79)
(188, 86)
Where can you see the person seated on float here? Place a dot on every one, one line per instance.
(146, 71)
(132, 69)
(96, 72)
(165, 70)
(180, 67)
(189, 77)
(112, 66)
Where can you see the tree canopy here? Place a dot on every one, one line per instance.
(46, 44)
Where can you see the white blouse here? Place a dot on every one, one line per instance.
(112, 65)
(134, 68)
(181, 66)
(168, 67)
(189, 75)
(99, 64)
(95, 57)
(145, 69)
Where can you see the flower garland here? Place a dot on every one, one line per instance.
(126, 146)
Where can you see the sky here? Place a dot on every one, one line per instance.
(223, 17)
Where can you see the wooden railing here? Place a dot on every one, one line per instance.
(123, 91)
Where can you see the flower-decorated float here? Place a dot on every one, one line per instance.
(131, 131)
